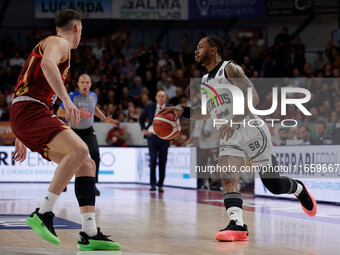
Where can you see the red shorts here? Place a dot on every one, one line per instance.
(35, 125)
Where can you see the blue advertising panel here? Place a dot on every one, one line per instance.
(92, 9)
(221, 9)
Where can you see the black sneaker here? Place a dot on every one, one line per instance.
(153, 188)
(307, 201)
(232, 233)
(96, 191)
(98, 242)
(42, 224)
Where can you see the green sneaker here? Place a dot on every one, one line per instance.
(42, 224)
(98, 242)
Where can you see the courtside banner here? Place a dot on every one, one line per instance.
(116, 165)
(150, 9)
(91, 9)
(177, 167)
(316, 166)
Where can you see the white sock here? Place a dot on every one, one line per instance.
(235, 213)
(89, 226)
(48, 203)
(298, 189)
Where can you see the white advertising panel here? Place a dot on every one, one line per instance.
(318, 167)
(177, 167)
(116, 165)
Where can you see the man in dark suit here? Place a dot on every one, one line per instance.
(155, 143)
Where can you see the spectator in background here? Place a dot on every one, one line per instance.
(111, 110)
(166, 60)
(187, 47)
(322, 136)
(333, 117)
(150, 83)
(77, 62)
(121, 116)
(130, 112)
(144, 101)
(298, 50)
(117, 136)
(327, 71)
(7, 45)
(293, 133)
(314, 117)
(17, 60)
(122, 81)
(319, 63)
(179, 80)
(99, 49)
(128, 67)
(169, 89)
(125, 99)
(335, 57)
(136, 89)
(3, 62)
(155, 49)
(162, 82)
(175, 100)
(297, 80)
(283, 136)
(281, 50)
(305, 135)
(307, 71)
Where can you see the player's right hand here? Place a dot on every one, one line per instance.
(20, 151)
(178, 111)
(72, 113)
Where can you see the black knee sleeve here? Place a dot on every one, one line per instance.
(276, 184)
(84, 189)
(232, 199)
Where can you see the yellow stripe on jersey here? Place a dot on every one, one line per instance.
(24, 88)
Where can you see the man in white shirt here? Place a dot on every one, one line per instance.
(17, 60)
(169, 88)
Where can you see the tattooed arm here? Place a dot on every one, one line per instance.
(239, 79)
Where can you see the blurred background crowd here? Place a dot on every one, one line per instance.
(126, 79)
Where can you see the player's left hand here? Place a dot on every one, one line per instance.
(20, 151)
(226, 132)
(111, 121)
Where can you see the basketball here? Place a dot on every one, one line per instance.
(166, 126)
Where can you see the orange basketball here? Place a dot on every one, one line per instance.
(166, 126)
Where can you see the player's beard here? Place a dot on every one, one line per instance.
(204, 59)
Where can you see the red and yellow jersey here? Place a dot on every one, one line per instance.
(32, 81)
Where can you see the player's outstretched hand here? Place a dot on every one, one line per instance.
(178, 111)
(226, 132)
(20, 151)
(111, 121)
(72, 113)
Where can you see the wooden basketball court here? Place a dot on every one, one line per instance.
(180, 221)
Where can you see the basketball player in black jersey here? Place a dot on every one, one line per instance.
(208, 53)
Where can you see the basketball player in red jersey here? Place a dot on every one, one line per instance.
(41, 81)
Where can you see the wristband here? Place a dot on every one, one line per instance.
(187, 113)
